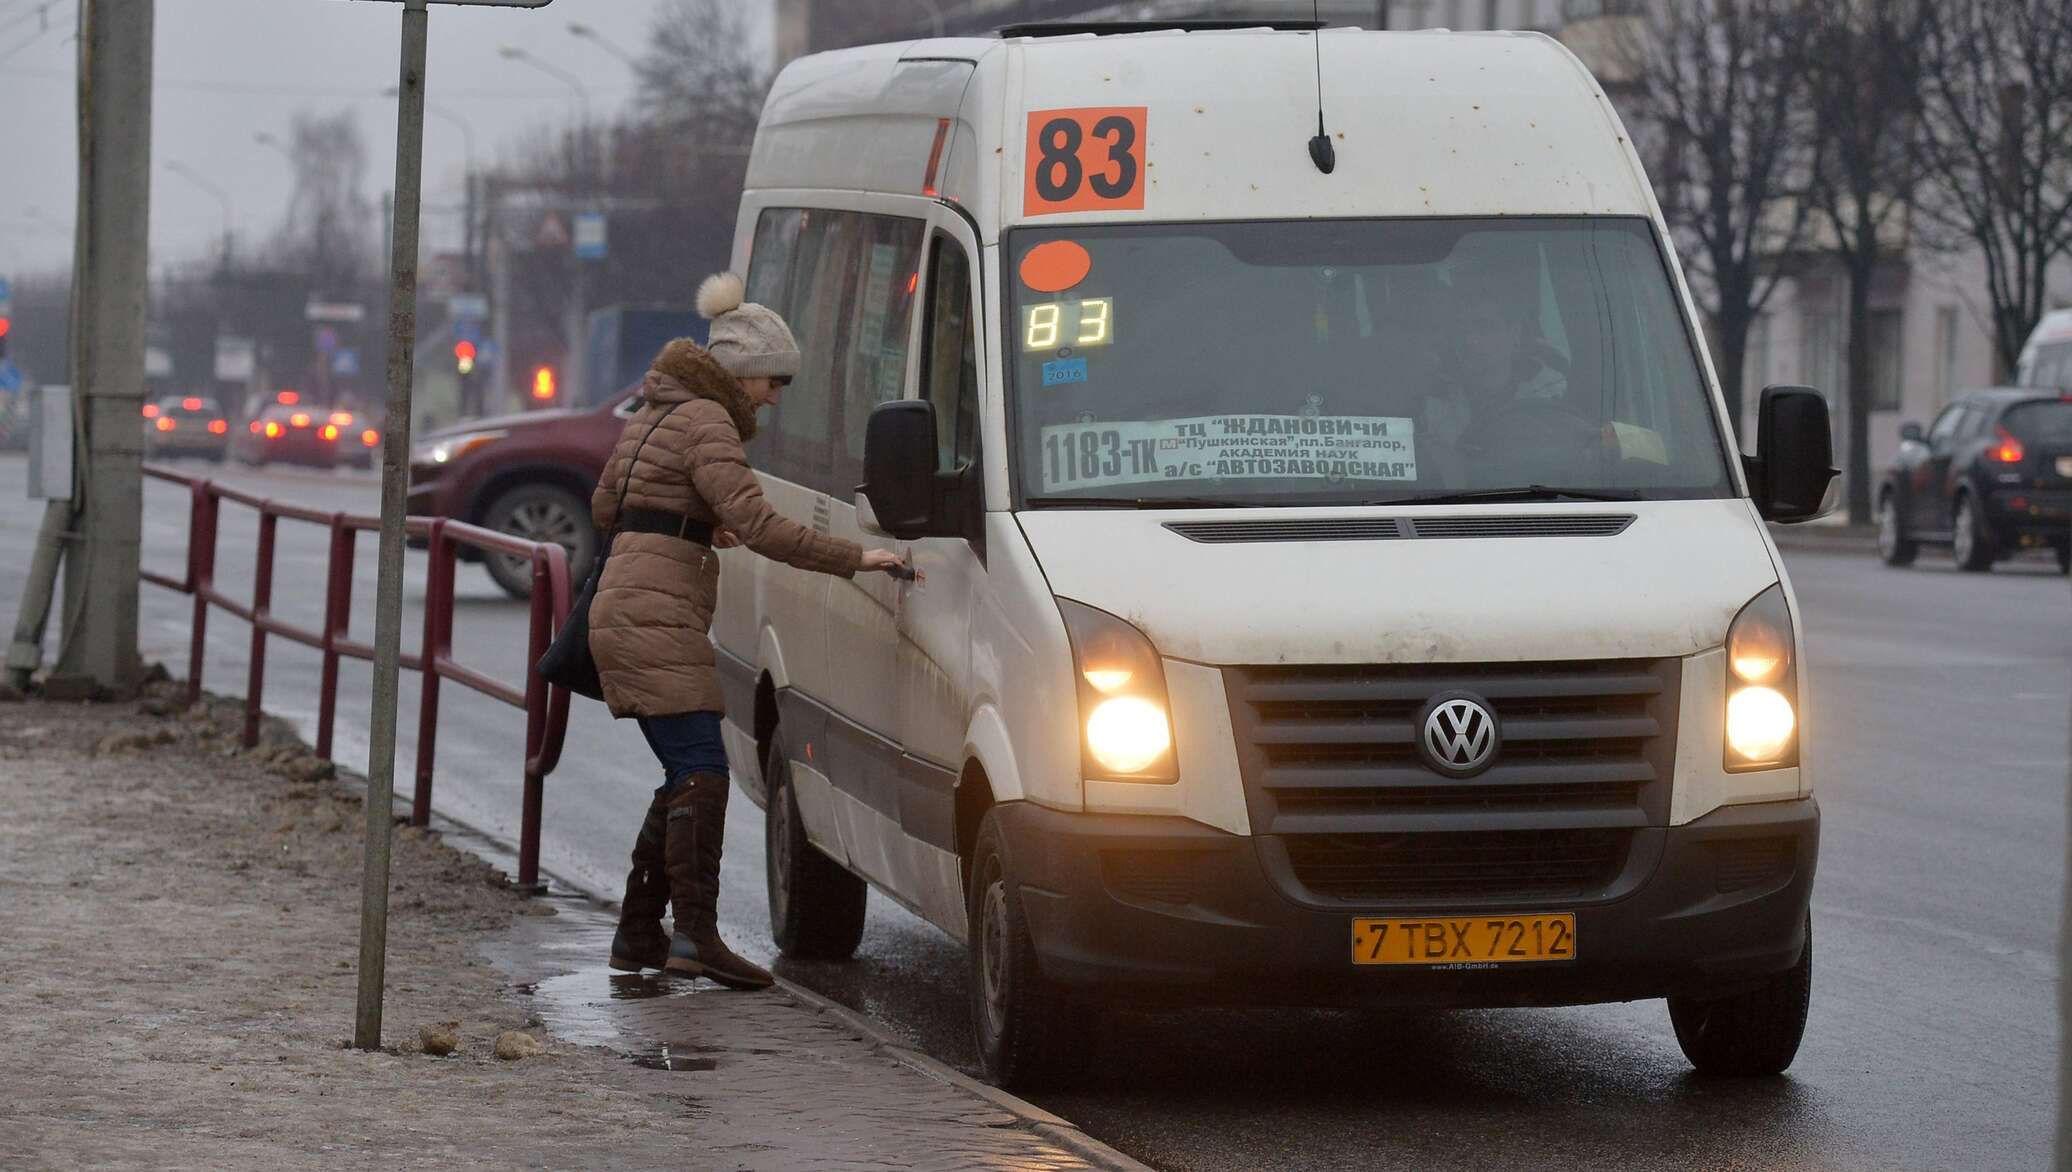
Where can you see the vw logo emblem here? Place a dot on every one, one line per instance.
(1459, 737)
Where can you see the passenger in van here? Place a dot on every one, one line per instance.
(677, 485)
(1489, 363)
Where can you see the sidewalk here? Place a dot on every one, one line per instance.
(178, 926)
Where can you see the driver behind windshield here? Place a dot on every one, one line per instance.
(1489, 360)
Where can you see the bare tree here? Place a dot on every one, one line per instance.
(1865, 77)
(329, 230)
(1997, 118)
(1722, 99)
(700, 72)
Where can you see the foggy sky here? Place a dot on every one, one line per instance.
(228, 69)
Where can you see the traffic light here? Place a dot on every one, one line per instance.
(6, 325)
(464, 356)
(544, 387)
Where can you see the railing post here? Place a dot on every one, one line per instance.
(201, 580)
(338, 595)
(262, 609)
(438, 647)
(542, 633)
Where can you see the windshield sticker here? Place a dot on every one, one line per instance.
(1064, 370)
(1055, 266)
(1084, 160)
(1228, 447)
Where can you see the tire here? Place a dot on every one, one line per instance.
(816, 907)
(1971, 540)
(1749, 1034)
(539, 512)
(1028, 1031)
(1895, 548)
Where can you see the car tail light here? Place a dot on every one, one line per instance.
(2009, 450)
(190, 403)
(256, 427)
(165, 423)
(370, 437)
(342, 418)
(299, 419)
(273, 430)
(150, 410)
(218, 427)
(330, 431)
(287, 398)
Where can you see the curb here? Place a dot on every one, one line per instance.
(1051, 1127)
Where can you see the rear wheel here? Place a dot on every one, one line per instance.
(1752, 1033)
(1895, 548)
(540, 512)
(816, 907)
(1029, 1031)
(1971, 543)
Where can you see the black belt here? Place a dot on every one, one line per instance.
(666, 523)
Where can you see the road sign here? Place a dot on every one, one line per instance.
(236, 359)
(592, 236)
(10, 376)
(346, 363)
(552, 233)
(6, 298)
(349, 312)
(326, 340)
(467, 306)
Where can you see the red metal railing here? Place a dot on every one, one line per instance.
(545, 707)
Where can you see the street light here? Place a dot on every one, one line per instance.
(223, 197)
(514, 53)
(586, 33)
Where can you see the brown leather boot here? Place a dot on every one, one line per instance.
(696, 840)
(641, 942)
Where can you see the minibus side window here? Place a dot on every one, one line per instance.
(881, 323)
(949, 376)
(771, 266)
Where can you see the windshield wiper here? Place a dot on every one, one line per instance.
(1529, 492)
(1138, 502)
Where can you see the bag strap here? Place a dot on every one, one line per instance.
(626, 481)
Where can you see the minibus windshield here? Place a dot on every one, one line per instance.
(1353, 361)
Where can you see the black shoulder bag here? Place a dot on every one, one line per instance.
(568, 662)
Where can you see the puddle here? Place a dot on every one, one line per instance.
(668, 1059)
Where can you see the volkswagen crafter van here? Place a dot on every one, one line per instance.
(1335, 580)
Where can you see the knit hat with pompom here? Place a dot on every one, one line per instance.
(748, 339)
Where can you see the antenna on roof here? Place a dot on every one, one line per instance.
(1320, 149)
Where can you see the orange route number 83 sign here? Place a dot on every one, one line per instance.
(1084, 160)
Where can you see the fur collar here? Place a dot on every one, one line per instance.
(684, 370)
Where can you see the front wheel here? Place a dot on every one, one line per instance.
(1752, 1033)
(1029, 1032)
(1971, 543)
(1894, 547)
(540, 512)
(816, 907)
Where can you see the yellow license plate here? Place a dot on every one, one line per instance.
(1465, 940)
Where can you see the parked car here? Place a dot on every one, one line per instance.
(290, 434)
(185, 425)
(1990, 478)
(530, 475)
(359, 436)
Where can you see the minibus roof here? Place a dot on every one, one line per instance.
(1421, 124)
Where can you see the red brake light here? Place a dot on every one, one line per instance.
(150, 410)
(370, 437)
(330, 431)
(218, 427)
(299, 419)
(287, 398)
(190, 403)
(2009, 450)
(342, 418)
(273, 430)
(255, 427)
(165, 423)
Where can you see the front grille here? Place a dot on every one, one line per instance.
(1512, 864)
(1331, 767)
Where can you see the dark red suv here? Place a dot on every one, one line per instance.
(530, 475)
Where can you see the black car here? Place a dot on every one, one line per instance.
(1992, 477)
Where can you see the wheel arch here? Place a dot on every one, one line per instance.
(503, 480)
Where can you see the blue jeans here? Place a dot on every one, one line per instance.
(686, 743)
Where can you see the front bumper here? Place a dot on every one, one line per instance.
(1165, 909)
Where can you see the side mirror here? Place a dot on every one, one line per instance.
(899, 480)
(1794, 455)
(1912, 433)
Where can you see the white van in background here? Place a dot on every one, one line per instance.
(1337, 583)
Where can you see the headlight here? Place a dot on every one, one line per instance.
(1128, 734)
(452, 448)
(1762, 686)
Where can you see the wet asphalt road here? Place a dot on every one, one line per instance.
(1938, 735)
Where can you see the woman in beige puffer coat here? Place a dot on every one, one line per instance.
(686, 488)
